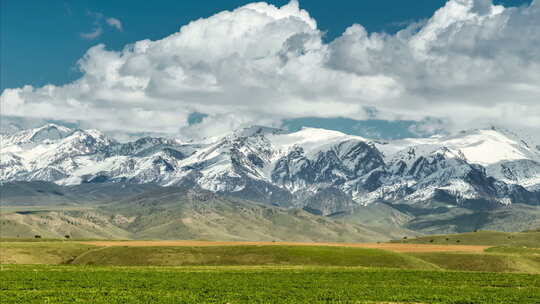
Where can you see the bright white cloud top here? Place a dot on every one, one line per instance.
(471, 63)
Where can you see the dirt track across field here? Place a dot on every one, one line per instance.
(396, 247)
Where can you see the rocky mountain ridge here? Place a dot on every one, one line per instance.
(325, 172)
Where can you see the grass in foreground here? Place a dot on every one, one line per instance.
(250, 255)
(492, 262)
(515, 250)
(496, 259)
(46, 252)
(78, 284)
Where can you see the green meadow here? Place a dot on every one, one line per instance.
(55, 271)
(243, 284)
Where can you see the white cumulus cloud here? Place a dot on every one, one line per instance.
(471, 63)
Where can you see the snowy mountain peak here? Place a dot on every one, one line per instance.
(480, 146)
(48, 132)
(257, 130)
(53, 126)
(488, 147)
(311, 139)
(90, 134)
(289, 168)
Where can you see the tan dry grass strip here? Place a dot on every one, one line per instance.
(395, 247)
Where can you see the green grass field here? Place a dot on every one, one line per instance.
(46, 252)
(490, 238)
(515, 250)
(75, 284)
(71, 272)
(488, 262)
(80, 254)
(250, 255)
(495, 259)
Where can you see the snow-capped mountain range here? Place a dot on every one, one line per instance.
(324, 171)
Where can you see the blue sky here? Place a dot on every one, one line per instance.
(41, 40)
(393, 68)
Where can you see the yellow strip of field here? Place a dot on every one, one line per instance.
(395, 247)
